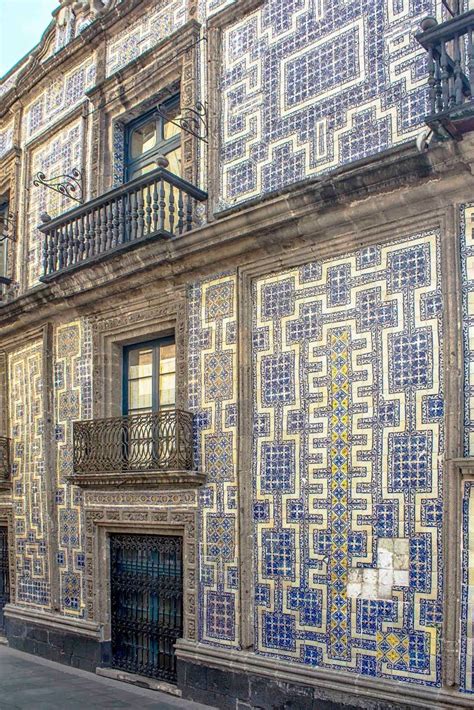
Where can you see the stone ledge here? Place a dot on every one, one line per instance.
(139, 680)
(464, 465)
(53, 621)
(126, 480)
(358, 691)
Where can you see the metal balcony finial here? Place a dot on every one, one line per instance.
(69, 185)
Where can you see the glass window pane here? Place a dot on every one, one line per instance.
(143, 139)
(168, 358)
(143, 170)
(171, 128)
(140, 393)
(140, 363)
(167, 389)
(174, 158)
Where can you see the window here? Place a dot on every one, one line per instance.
(4, 234)
(151, 136)
(149, 377)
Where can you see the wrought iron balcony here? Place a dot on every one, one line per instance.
(450, 73)
(158, 204)
(5, 470)
(154, 448)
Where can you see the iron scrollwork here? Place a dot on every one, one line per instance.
(7, 227)
(158, 441)
(69, 185)
(146, 574)
(193, 119)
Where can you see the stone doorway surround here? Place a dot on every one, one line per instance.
(165, 513)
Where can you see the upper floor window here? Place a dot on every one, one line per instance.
(151, 136)
(149, 377)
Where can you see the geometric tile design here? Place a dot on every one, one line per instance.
(213, 399)
(210, 7)
(309, 85)
(72, 401)
(347, 462)
(144, 33)
(10, 81)
(25, 371)
(6, 139)
(59, 155)
(467, 598)
(467, 275)
(58, 97)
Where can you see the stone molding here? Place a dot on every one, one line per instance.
(9, 181)
(358, 688)
(149, 479)
(176, 516)
(146, 319)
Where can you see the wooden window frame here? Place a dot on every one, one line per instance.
(162, 147)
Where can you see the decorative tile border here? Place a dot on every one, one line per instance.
(467, 590)
(213, 399)
(466, 218)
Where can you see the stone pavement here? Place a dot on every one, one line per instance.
(34, 683)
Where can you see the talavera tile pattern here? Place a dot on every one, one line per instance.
(213, 398)
(347, 470)
(25, 373)
(73, 401)
(58, 156)
(467, 598)
(467, 270)
(6, 139)
(58, 97)
(147, 31)
(309, 85)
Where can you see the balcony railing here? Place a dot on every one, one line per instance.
(134, 448)
(4, 459)
(450, 73)
(158, 204)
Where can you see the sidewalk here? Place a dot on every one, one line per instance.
(27, 681)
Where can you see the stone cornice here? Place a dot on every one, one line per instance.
(399, 184)
(35, 71)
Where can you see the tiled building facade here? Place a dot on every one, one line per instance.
(321, 307)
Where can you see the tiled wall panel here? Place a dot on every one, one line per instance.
(25, 373)
(73, 401)
(467, 272)
(58, 97)
(309, 85)
(467, 598)
(213, 398)
(144, 33)
(207, 8)
(347, 462)
(6, 139)
(57, 156)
